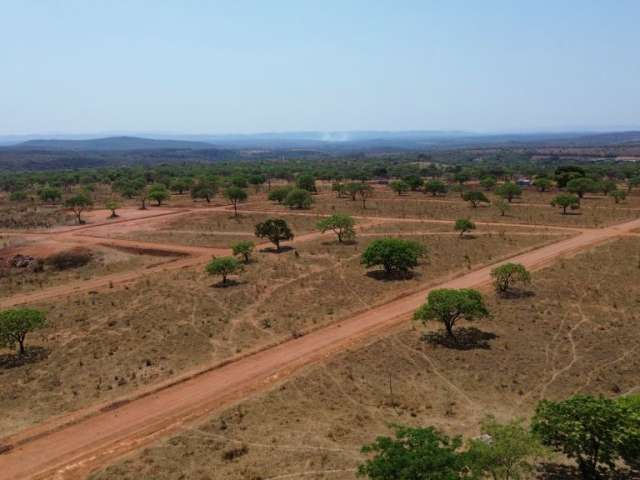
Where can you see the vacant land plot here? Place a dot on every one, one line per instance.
(104, 344)
(103, 261)
(214, 229)
(576, 333)
(452, 208)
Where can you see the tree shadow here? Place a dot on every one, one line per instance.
(382, 276)
(514, 293)
(284, 249)
(31, 355)
(229, 283)
(555, 471)
(469, 338)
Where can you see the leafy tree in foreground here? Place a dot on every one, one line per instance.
(223, 266)
(276, 230)
(113, 206)
(564, 201)
(414, 454)
(158, 193)
(298, 198)
(78, 204)
(464, 225)
(279, 194)
(243, 248)
(475, 198)
(393, 254)
(630, 450)
(235, 195)
(341, 224)
(509, 191)
(399, 186)
(590, 430)
(16, 324)
(507, 274)
(508, 451)
(448, 305)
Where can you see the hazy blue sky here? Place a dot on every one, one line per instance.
(241, 66)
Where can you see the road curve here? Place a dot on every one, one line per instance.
(71, 451)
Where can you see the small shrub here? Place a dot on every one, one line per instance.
(74, 258)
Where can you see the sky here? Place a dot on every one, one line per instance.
(209, 67)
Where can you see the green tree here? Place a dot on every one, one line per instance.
(488, 183)
(543, 184)
(279, 194)
(50, 194)
(618, 196)
(633, 182)
(364, 191)
(414, 182)
(464, 225)
(235, 195)
(306, 182)
(180, 185)
(448, 305)
(435, 187)
(475, 198)
(341, 224)
(257, 181)
(590, 430)
(506, 275)
(238, 181)
(502, 205)
(630, 449)
(158, 192)
(276, 230)
(508, 191)
(204, 189)
(113, 206)
(607, 186)
(243, 248)
(399, 186)
(581, 185)
(393, 254)
(17, 196)
(564, 201)
(15, 324)
(505, 451)
(78, 204)
(414, 454)
(298, 198)
(223, 266)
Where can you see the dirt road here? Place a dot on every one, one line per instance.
(71, 450)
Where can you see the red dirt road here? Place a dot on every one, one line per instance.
(72, 450)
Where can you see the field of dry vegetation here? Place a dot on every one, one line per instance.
(575, 333)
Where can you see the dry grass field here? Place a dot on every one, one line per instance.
(594, 212)
(577, 332)
(101, 345)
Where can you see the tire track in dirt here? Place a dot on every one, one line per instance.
(94, 438)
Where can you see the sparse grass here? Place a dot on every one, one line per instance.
(578, 334)
(105, 344)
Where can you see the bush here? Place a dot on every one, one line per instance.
(17, 196)
(279, 194)
(243, 248)
(298, 198)
(393, 254)
(223, 266)
(74, 258)
(464, 225)
(504, 276)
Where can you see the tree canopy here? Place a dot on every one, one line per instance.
(393, 254)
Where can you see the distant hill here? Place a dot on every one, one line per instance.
(112, 144)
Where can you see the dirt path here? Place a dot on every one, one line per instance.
(95, 438)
